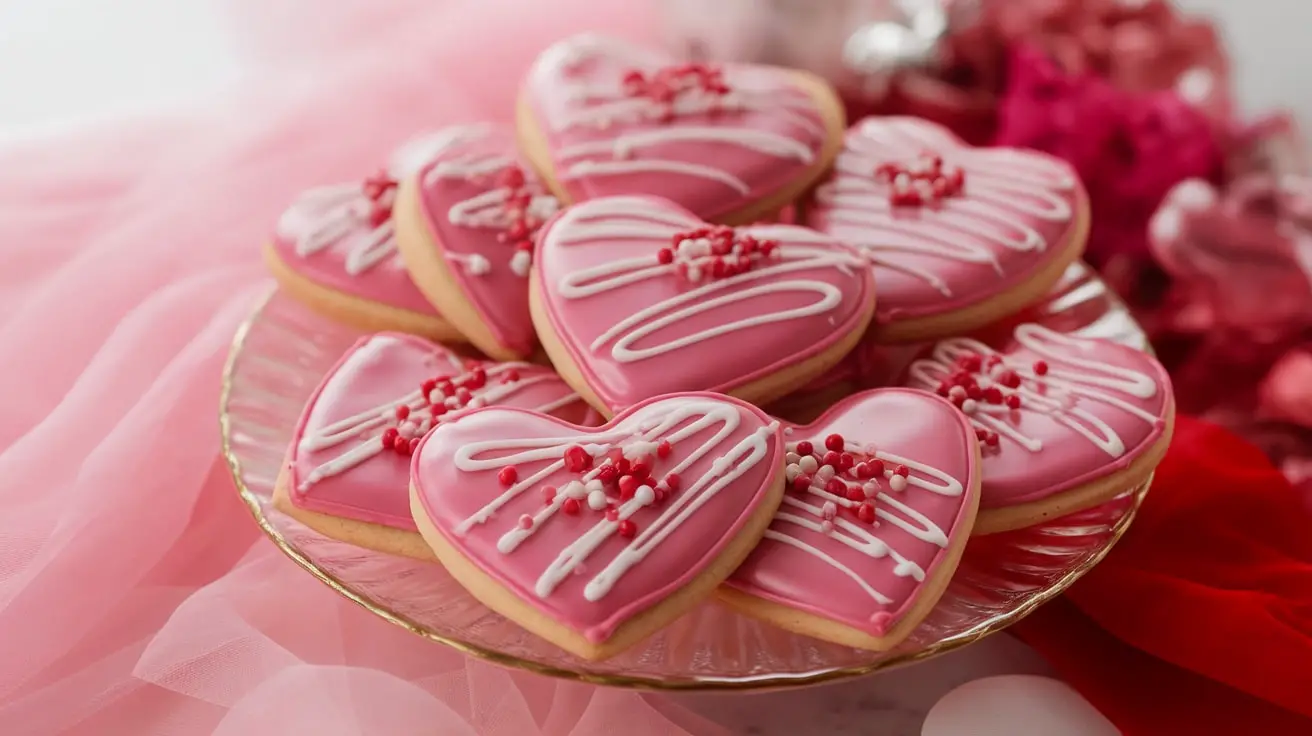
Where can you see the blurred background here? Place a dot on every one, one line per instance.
(63, 61)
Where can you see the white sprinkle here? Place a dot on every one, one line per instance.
(969, 406)
(897, 483)
(808, 464)
(576, 490)
(477, 265)
(956, 392)
(871, 488)
(792, 458)
(825, 473)
(829, 510)
(595, 485)
(597, 500)
(645, 495)
(791, 471)
(521, 262)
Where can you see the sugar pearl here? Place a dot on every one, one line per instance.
(871, 489)
(792, 458)
(575, 490)
(790, 471)
(809, 464)
(897, 483)
(645, 495)
(825, 472)
(969, 406)
(597, 500)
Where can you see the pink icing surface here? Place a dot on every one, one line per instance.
(905, 426)
(636, 329)
(1067, 430)
(761, 136)
(738, 448)
(376, 374)
(464, 205)
(1014, 216)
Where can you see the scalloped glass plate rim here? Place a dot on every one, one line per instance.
(694, 683)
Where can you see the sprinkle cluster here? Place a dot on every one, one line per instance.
(976, 381)
(715, 252)
(523, 218)
(607, 480)
(927, 180)
(666, 85)
(380, 190)
(845, 479)
(440, 396)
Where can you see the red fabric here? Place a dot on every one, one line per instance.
(1200, 620)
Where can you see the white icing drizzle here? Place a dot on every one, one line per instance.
(343, 211)
(488, 209)
(607, 106)
(861, 537)
(1075, 375)
(1003, 187)
(674, 420)
(636, 218)
(365, 429)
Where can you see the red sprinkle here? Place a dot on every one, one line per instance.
(414, 445)
(402, 412)
(577, 459)
(628, 486)
(863, 471)
(571, 506)
(834, 442)
(1013, 402)
(836, 486)
(608, 474)
(508, 475)
(612, 513)
(902, 470)
(866, 512)
(665, 256)
(993, 395)
(992, 439)
(390, 435)
(628, 529)
(526, 522)
(854, 493)
(640, 469)
(876, 467)
(831, 458)
(804, 448)
(664, 449)
(1040, 368)
(845, 461)
(801, 482)
(673, 481)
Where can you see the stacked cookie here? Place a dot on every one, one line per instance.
(597, 396)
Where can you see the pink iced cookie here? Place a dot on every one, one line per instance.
(465, 225)
(881, 498)
(958, 237)
(335, 250)
(600, 117)
(635, 297)
(349, 464)
(595, 538)
(1066, 423)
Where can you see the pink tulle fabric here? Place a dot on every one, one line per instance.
(136, 595)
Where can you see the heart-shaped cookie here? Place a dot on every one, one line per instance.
(600, 117)
(465, 224)
(595, 538)
(335, 250)
(958, 237)
(635, 297)
(1067, 423)
(348, 467)
(882, 493)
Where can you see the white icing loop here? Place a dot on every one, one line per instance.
(1003, 187)
(366, 428)
(632, 218)
(1075, 374)
(810, 514)
(674, 420)
(605, 106)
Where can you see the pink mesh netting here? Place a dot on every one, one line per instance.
(136, 596)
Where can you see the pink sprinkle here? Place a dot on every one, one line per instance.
(526, 522)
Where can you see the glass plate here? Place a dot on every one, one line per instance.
(282, 351)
